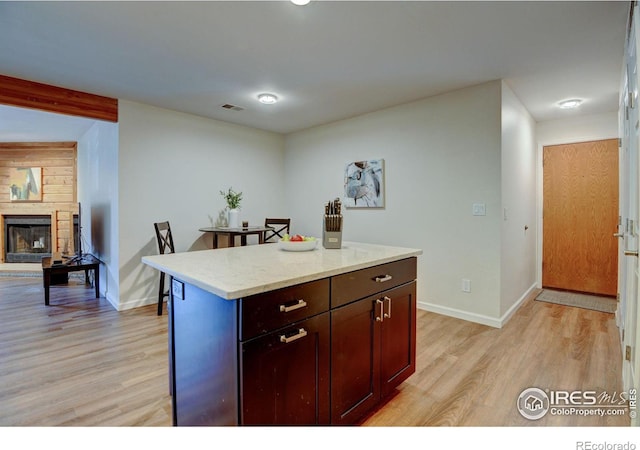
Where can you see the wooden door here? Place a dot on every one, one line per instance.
(580, 216)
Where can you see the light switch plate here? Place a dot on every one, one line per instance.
(479, 209)
(177, 289)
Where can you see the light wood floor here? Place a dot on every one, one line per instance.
(472, 375)
(79, 362)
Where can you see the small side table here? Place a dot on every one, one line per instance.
(86, 263)
(233, 232)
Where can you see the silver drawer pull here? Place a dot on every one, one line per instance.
(300, 304)
(387, 315)
(379, 318)
(383, 278)
(300, 334)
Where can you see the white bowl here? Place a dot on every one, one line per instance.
(297, 246)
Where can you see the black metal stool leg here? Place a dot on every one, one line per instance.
(161, 293)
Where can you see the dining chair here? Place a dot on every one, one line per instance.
(165, 245)
(279, 227)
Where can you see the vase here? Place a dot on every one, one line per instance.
(233, 218)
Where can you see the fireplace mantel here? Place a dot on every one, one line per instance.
(62, 232)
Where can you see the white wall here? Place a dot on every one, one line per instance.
(578, 129)
(442, 154)
(98, 196)
(172, 167)
(519, 225)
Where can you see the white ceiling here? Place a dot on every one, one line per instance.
(22, 125)
(327, 61)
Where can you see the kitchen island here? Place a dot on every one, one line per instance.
(261, 336)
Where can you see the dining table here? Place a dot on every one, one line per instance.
(243, 232)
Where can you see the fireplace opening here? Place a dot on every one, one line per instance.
(27, 238)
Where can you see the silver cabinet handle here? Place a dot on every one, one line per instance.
(300, 304)
(387, 315)
(300, 334)
(618, 235)
(379, 318)
(382, 279)
(631, 253)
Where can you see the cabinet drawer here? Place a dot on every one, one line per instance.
(355, 285)
(262, 313)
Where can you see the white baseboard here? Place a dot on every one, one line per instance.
(511, 311)
(496, 322)
(134, 303)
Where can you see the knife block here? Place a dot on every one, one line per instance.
(333, 238)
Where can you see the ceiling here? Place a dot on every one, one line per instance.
(327, 61)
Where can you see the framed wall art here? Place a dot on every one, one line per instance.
(364, 184)
(25, 184)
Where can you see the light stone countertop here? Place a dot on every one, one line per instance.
(237, 272)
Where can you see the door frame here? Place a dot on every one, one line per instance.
(541, 209)
(604, 135)
(629, 115)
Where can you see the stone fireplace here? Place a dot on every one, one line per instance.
(27, 238)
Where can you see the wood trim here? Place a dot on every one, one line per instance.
(37, 145)
(55, 247)
(29, 94)
(3, 239)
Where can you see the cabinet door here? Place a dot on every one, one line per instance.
(398, 338)
(355, 360)
(285, 375)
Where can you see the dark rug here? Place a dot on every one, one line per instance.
(594, 302)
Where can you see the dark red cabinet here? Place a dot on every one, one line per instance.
(293, 356)
(355, 362)
(285, 375)
(372, 351)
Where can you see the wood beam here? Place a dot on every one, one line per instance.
(29, 94)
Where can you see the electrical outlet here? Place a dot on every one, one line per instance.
(177, 289)
(466, 285)
(479, 209)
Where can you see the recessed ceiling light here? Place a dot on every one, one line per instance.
(267, 99)
(300, 2)
(570, 104)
